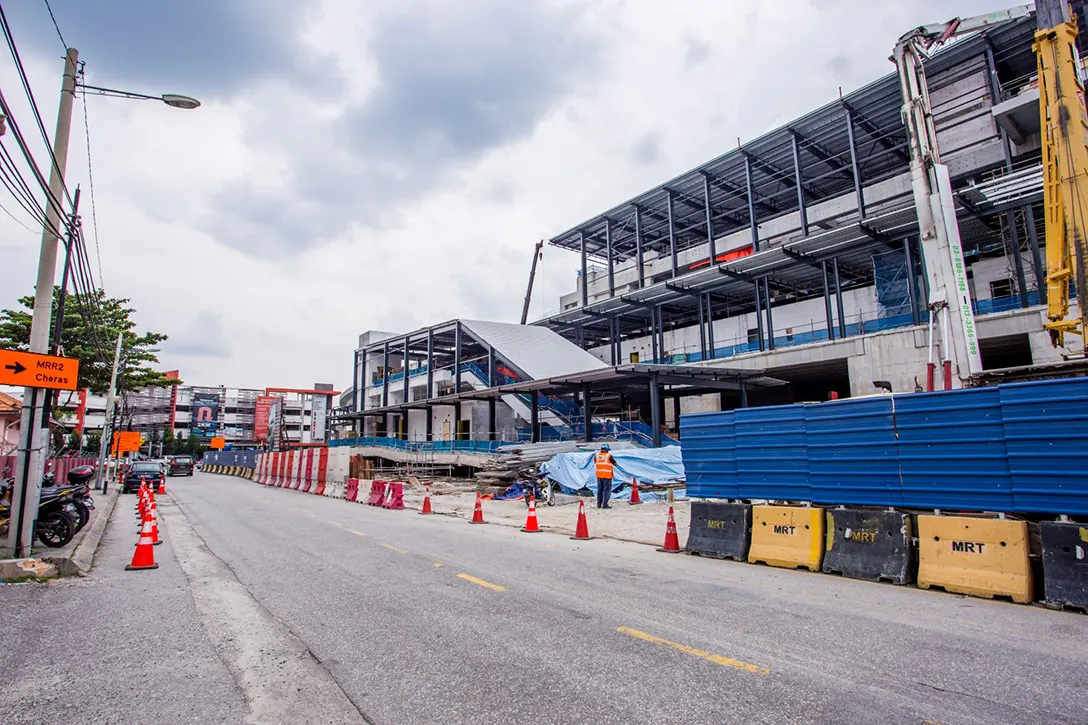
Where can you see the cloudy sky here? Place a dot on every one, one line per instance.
(389, 165)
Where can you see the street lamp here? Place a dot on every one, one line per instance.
(171, 99)
(32, 440)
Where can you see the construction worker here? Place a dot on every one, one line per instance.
(605, 472)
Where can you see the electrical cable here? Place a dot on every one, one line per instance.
(90, 183)
(59, 34)
(24, 148)
(33, 103)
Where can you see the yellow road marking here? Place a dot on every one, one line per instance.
(438, 563)
(481, 582)
(357, 533)
(716, 659)
(393, 548)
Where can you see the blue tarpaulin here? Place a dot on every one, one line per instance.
(576, 472)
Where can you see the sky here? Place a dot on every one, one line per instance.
(390, 165)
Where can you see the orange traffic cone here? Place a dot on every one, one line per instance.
(531, 525)
(634, 492)
(144, 556)
(672, 541)
(427, 503)
(581, 531)
(162, 486)
(153, 514)
(478, 512)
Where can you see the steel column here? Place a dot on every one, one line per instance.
(672, 232)
(457, 360)
(798, 181)
(709, 218)
(638, 249)
(1036, 254)
(534, 417)
(585, 272)
(492, 434)
(759, 315)
(676, 411)
(660, 331)
(404, 370)
(608, 249)
(430, 366)
(838, 298)
(457, 421)
(751, 204)
(385, 374)
(490, 366)
(702, 329)
(653, 334)
(612, 340)
(655, 411)
(587, 413)
(710, 324)
(743, 394)
(827, 303)
(770, 318)
(854, 165)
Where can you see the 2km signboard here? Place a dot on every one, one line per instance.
(27, 369)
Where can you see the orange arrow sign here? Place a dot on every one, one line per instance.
(38, 371)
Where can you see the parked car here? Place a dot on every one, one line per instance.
(148, 471)
(181, 466)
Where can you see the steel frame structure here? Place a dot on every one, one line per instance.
(838, 150)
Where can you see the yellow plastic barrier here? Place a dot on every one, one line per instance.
(982, 557)
(787, 536)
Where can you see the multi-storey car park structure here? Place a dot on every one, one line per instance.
(787, 269)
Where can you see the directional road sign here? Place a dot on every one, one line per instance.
(31, 370)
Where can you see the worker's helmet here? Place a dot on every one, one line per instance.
(604, 446)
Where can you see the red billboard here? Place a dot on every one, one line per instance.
(262, 411)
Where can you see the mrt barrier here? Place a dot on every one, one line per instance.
(981, 557)
(787, 536)
(721, 530)
(869, 544)
(352, 490)
(1065, 564)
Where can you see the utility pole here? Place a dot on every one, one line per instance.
(107, 421)
(32, 443)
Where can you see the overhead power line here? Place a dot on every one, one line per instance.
(54, 19)
(90, 183)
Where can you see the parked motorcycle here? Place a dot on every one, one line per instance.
(58, 513)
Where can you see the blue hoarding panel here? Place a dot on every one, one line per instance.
(772, 461)
(952, 450)
(709, 453)
(1046, 434)
(852, 454)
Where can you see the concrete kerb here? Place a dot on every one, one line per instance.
(81, 553)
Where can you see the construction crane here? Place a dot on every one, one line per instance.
(1064, 127)
(538, 253)
(1065, 161)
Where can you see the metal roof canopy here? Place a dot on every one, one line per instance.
(822, 143)
(630, 375)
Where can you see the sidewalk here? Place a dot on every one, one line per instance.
(643, 524)
(75, 558)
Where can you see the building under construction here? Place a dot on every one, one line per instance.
(796, 267)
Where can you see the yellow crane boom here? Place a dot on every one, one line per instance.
(1064, 124)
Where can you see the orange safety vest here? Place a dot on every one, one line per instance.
(604, 464)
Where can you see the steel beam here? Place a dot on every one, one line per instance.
(799, 183)
(638, 249)
(672, 232)
(709, 219)
(855, 169)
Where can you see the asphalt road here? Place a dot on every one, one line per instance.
(392, 617)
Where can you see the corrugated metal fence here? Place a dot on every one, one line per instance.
(245, 459)
(1017, 447)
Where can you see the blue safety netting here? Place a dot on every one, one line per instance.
(576, 472)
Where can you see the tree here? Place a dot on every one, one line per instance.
(93, 345)
(94, 440)
(169, 442)
(194, 446)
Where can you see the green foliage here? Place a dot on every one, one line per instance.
(169, 442)
(94, 352)
(94, 440)
(194, 446)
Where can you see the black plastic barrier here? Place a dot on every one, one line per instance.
(874, 545)
(721, 530)
(1065, 564)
